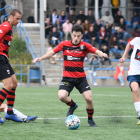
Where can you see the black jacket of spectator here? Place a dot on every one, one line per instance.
(82, 17)
(100, 3)
(108, 30)
(90, 35)
(91, 19)
(51, 35)
(136, 3)
(97, 27)
(107, 52)
(117, 19)
(123, 26)
(119, 36)
(58, 27)
(74, 3)
(72, 18)
(47, 30)
(105, 36)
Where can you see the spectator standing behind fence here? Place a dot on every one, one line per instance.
(136, 3)
(45, 15)
(72, 17)
(100, 3)
(48, 27)
(135, 21)
(81, 16)
(105, 50)
(70, 5)
(119, 75)
(91, 36)
(90, 17)
(86, 27)
(108, 29)
(54, 37)
(67, 27)
(53, 17)
(93, 65)
(136, 32)
(58, 26)
(98, 26)
(118, 17)
(103, 37)
(107, 18)
(62, 17)
(115, 7)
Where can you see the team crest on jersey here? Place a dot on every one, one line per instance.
(82, 47)
(137, 55)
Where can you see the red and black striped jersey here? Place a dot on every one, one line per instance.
(73, 56)
(5, 38)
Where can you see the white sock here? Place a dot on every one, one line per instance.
(18, 114)
(137, 107)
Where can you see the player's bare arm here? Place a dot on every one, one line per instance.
(46, 56)
(127, 49)
(101, 54)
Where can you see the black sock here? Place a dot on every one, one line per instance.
(90, 113)
(72, 103)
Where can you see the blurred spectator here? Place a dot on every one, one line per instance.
(54, 57)
(100, 3)
(70, 5)
(86, 27)
(81, 16)
(72, 17)
(136, 3)
(79, 22)
(107, 18)
(136, 32)
(2, 5)
(98, 26)
(122, 25)
(67, 27)
(90, 17)
(114, 46)
(48, 27)
(105, 50)
(119, 36)
(53, 17)
(54, 37)
(108, 29)
(115, 7)
(58, 26)
(118, 17)
(94, 64)
(103, 37)
(91, 36)
(135, 20)
(45, 15)
(119, 75)
(62, 17)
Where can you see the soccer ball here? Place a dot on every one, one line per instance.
(72, 122)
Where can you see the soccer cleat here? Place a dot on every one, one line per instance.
(29, 118)
(1, 120)
(71, 109)
(92, 123)
(12, 117)
(138, 121)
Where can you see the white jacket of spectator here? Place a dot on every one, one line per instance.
(108, 19)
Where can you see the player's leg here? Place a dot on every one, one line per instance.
(135, 89)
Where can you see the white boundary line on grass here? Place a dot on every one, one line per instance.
(94, 117)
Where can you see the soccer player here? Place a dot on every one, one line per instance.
(74, 52)
(134, 72)
(3, 108)
(7, 74)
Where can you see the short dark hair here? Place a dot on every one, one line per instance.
(78, 28)
(14, 11)
(54, 10)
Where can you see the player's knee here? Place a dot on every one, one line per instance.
(135, 90)
(89, 99)
(61, 97)
(14, 85)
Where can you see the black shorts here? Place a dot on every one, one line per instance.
(6, 70)
(68, 84)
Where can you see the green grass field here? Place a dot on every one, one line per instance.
(114, 115)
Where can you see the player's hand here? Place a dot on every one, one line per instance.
(105, 55)
(36, 60)
(122, 60)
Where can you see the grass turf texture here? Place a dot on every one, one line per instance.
(44, 102)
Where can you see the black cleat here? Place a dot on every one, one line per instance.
(92, 123)
(71, 109)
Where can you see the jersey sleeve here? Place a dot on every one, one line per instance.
(132, 42)
(3, 31)
(90, 48)
(58, 48)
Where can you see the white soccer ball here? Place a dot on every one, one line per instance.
(72, 122)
